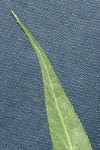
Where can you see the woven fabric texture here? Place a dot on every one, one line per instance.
(69, 32)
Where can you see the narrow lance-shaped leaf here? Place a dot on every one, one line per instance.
(66, 130)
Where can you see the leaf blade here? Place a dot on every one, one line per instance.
(66, 130)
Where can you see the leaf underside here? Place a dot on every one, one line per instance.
(66, 130)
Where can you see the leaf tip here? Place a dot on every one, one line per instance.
(13, 12)
(14, 15)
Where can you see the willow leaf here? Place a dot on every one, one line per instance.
(66, 130)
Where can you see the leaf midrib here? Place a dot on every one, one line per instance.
(55, 100)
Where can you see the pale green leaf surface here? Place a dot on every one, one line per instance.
(66, 130)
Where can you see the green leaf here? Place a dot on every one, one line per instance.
(66, 130)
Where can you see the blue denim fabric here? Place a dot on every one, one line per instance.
(69, 32)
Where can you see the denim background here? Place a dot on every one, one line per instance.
(69, 32)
